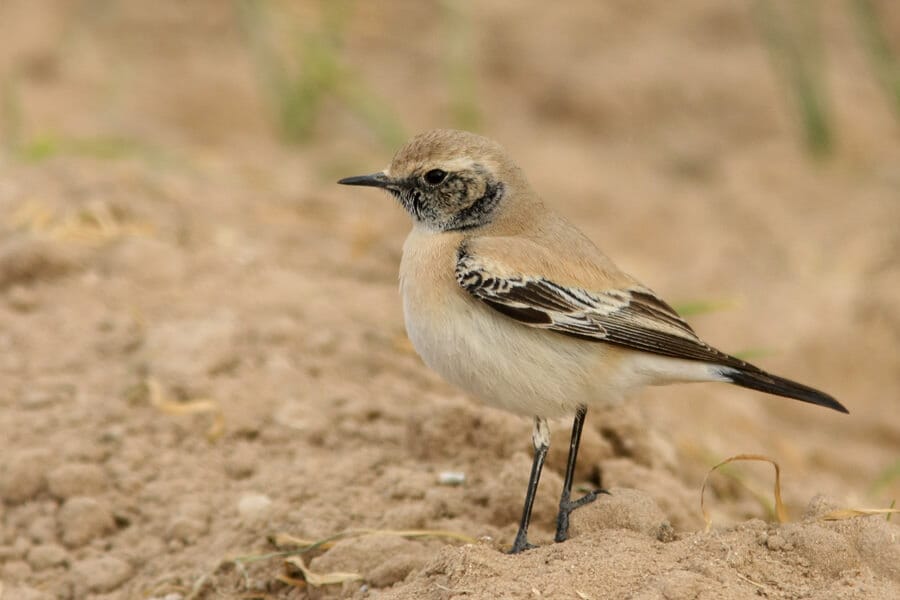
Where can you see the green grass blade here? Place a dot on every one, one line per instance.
(885, 64)
(886, 477)
(791, 34)
(459, 67)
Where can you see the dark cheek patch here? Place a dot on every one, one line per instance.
(479, 212)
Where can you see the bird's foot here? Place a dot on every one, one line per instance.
(566, 507)
(521, 544)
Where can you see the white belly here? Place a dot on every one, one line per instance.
(504, 363)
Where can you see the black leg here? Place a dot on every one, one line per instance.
(541, 439)
(566, 505)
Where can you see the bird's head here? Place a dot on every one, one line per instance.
(448, 180)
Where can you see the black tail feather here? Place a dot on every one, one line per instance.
(772, 384)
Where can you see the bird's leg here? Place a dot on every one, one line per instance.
(566, 505)
(540, 436)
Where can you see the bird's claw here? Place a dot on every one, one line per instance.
(520, 545)
(565, 509)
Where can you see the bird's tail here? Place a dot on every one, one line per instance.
(756, 379)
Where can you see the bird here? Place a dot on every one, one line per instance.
(509, 301)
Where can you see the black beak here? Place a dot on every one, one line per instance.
(379, 180)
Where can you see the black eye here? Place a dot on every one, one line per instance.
(435, 176)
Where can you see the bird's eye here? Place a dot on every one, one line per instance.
(435, 176)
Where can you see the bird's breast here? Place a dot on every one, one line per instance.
(502, 362)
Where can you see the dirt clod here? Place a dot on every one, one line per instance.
(103, 574)
(76, 479)
(47, 555)
(382, 559)
(83, 519)
(25, 592)
(23, 475)
(25, 259)
(622, 508)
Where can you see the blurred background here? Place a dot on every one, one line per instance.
(170, 234)
(116, 77)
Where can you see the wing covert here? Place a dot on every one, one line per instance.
(633, 316)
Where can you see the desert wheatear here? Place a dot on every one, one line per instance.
(510, 302)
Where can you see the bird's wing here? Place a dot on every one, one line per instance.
(628, 314)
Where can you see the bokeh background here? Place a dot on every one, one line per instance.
(200, 336)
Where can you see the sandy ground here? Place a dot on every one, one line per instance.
(201, 345)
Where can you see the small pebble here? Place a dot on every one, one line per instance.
(451, 478)
(254, 506)
(666, 532)
(113, 434)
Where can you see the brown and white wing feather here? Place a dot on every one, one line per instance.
(632, 317)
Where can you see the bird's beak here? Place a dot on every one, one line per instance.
(379, 180)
